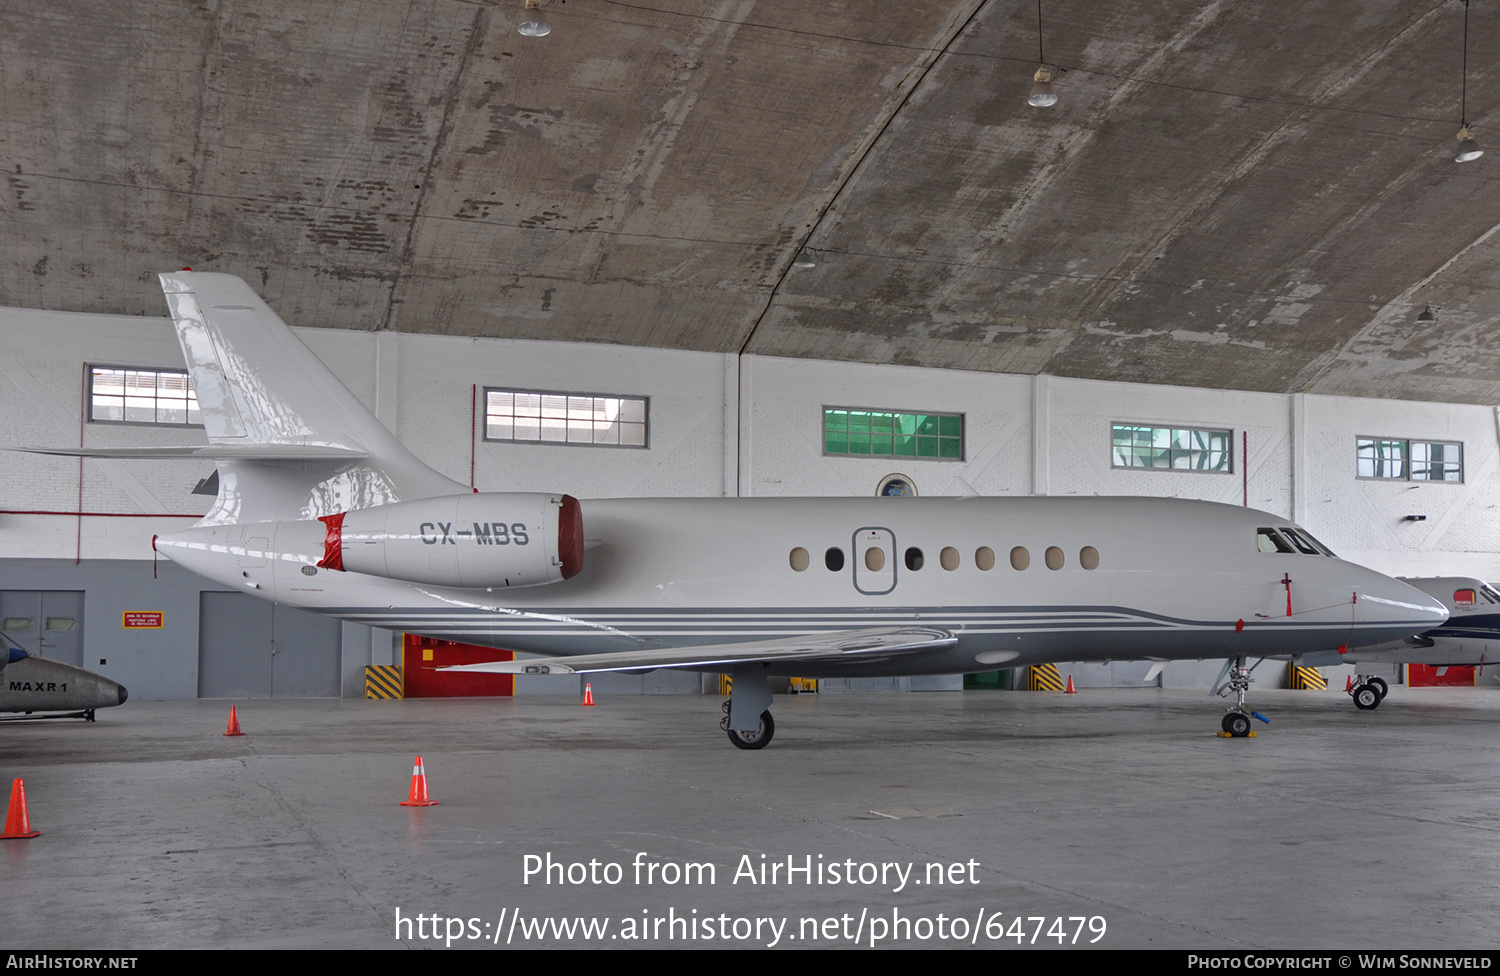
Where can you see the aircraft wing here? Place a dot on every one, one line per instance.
(210, 452)
(838, 645)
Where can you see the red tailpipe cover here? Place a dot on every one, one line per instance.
(570, 537)
(333, 542)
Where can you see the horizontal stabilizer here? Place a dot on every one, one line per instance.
(834, 646)
(212, 452)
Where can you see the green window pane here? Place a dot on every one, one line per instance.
(880, 423)
(835, 420)
(906, 446)
(859, 420)
(880, 444)
(906, 423)
(927, 447)
(859, 442)
(950, 426)
(836, 442)
(927, 424)
(950, 447)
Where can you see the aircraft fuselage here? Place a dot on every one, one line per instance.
(1170, 579)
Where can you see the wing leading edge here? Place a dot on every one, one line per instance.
(834, 646)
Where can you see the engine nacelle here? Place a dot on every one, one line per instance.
(494, 539)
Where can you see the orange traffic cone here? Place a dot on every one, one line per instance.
(1070, 689)
(1349, 683)
(17, 821)
(588, 693)
(234, 723)
(418, 797)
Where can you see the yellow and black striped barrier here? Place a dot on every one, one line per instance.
(1306, 679)
(1043, 677)
(384, 681)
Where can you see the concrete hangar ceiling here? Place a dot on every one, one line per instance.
(1240, 195)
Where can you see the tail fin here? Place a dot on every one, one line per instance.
(259, 387)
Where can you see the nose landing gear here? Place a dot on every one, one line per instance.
(1236, 678)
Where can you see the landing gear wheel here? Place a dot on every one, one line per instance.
(1381, 688)
(1236, 724)
(758, 739)
(1365, 697)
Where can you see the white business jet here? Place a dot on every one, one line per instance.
(320, 507)
(1469, 638)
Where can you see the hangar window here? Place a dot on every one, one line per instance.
(130, 395)
(1175, 448)
(860, 432)
(1401, 460)
(535, 417)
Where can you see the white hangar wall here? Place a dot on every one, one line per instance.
(721, 426)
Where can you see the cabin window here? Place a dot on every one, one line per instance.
(574, 419)
(834, 559)
(1054, 558)
(1387, 459)
(948, 558)
(1173, 448)
(874, 559)
(984, 558)
(131, 395)
(799, 559)
(1088, 557)
(866, 432)
(914, 559)
(1019, 558)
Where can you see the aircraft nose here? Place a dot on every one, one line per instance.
(123, 694)
(1388, 600)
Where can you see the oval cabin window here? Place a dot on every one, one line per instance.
(874, 559)
(984, 558)
(949, 558)
(1054, 558)
(834, 559)
(1019, 558)
(1088, 557)
(914, 559)
(799, 559)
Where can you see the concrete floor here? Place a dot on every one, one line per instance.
(1333, 829)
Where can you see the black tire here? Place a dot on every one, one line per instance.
(1381, 688)
(1237, 724)
(1366, 698)
(758, 739)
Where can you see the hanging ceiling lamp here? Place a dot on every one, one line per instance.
(1468, 149)
(1427, 316)
(534, 26)
(1042, 95)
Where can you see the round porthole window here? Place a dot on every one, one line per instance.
(897, 486)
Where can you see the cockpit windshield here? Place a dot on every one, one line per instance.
(1267, 540)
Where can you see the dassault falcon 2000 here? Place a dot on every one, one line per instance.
(320, 507)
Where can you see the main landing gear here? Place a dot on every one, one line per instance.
(1236, 678)
(758, 739)
(1368, 692)
(747, 713)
